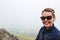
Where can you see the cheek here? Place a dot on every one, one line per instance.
(48, 21)
(51, 21)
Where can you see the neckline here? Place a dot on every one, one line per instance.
(48, 28)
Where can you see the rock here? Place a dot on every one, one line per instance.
(4, 35)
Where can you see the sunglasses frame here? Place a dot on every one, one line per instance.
(46, 17)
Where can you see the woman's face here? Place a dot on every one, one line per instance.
(47, 19)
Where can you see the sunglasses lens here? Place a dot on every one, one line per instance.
(42, 18)
(48, 18)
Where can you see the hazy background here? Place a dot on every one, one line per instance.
(22, 16)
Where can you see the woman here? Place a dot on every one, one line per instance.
(48, 31)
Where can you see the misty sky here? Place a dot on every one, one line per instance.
(23, 15)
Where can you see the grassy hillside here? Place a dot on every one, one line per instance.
(25, 37)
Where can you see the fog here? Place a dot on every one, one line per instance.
(22, 16)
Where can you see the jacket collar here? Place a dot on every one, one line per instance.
(44, 28)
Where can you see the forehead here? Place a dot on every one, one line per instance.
(46, 14)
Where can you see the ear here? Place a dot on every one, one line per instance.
(54, 19)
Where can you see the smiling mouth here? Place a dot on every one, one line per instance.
(46, 23)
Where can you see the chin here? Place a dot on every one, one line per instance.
(47, 25)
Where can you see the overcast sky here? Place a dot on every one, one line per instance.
(23, 15)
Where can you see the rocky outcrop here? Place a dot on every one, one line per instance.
(4, 35)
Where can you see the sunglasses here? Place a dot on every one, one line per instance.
(47, 17)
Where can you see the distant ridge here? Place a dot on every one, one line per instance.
(4, 35)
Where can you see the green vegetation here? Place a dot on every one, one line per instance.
(25, 37)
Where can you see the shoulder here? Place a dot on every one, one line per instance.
(55, 30)
(38, 36)
(57, 34)
(57, 37)
(42, 28)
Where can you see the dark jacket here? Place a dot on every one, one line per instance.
(51, 34)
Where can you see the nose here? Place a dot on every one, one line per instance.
(45, 19)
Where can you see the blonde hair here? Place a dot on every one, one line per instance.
(49, 10)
